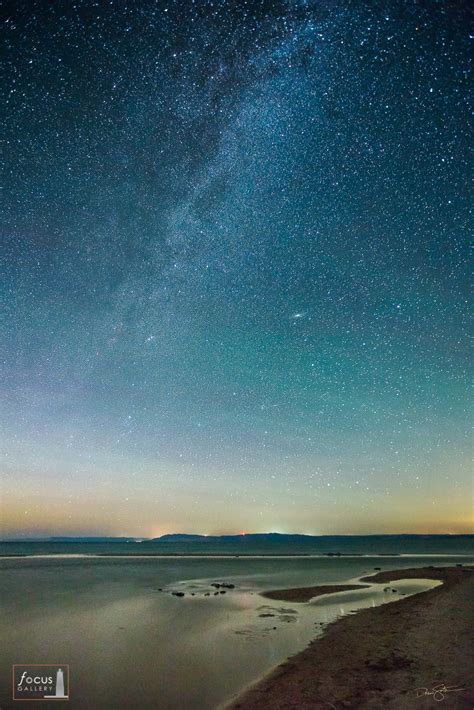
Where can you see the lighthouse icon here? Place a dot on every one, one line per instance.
(59, 686)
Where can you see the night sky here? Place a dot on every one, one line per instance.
(234, 267)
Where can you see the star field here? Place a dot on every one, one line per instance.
(235, 267)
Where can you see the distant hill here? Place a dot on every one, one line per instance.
(245, 538)
(179, 537)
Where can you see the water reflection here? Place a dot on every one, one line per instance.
(130, 645)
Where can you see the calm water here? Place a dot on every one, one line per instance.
(355, 544)
(130, 645)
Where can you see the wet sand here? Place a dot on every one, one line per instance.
(394, 656)
(304, 594)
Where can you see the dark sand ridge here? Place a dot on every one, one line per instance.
(304, 594)
(380, 657)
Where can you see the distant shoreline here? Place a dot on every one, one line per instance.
(211, 554)
(383, 656)
(232, 555)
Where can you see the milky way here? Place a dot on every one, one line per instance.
(234, 273)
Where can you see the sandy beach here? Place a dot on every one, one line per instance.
(415, 653)
(199, 632)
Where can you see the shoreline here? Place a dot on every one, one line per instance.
(392, 656)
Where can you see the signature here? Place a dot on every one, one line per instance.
(438, 692)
